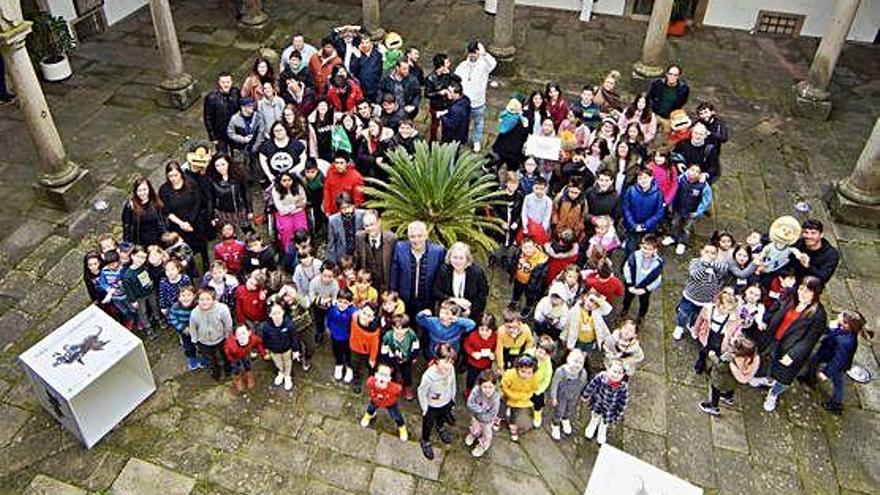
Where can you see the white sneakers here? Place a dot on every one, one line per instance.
(566, 427)
(555, 434)
(678, 333)
(602, 436)
(667, 241)
(279, 379)
(770, 402)
(590, 432)
(288, 383)
(349, 375)
(337, 373)
(478, 451)
(477, 147)
(680, 249)
(761, 381)
(469, 440)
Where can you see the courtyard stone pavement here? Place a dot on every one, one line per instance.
(193, 436)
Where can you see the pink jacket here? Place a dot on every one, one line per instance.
(666, 180)
(649, 130)
(731, 329)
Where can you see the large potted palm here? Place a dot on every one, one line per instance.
(49, 44)
(443, 187)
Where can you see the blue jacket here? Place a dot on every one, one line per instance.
(691, 197)
(368, 71)
(643, 208)
(279, 339)
(838, 348)
(455, 123)
(439, 334)
(339, 322)
(403, 271)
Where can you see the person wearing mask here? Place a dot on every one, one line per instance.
(474, 74)
(219, 107)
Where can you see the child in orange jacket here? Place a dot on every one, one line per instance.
(364, 343)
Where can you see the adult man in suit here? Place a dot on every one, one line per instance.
(342, 228)
(374, 249)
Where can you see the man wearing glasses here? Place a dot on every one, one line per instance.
(668, 93)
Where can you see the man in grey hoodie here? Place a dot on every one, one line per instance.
(209, 324)
(436, 392)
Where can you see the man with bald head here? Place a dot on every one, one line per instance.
(701, 151)
(414, 267)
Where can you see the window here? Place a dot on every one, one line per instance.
(780, 23)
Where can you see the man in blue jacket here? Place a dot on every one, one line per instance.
(367, 68)
(414, 266)
(455, 119)
(692, 199)
(643, 209)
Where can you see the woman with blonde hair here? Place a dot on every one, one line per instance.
(717, 324)
(462, 281)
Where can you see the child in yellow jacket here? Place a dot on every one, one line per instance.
(544, 374)
(518, 385)
(514, 339)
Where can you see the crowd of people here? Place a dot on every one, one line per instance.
(581, 243)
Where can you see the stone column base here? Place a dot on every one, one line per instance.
(254, 27)
(506, 58)
(642, 71)
(811, 103)
(179, 93)
(68, 197)
(849, 212)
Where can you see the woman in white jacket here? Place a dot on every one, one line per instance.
(586, 328)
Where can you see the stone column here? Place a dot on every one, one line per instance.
(372, 22)
(651, 64)
(178, 90)
(502, 47)
(813, 98)
(60, 182)
(857, 199)
(254, 21)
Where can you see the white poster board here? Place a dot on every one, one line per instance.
(89, 374)
(616, 472)
(544, 147)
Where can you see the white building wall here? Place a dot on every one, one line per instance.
(610, 7)
(742, 14)
(116, 10)
(63, 8)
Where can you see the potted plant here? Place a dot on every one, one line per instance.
(678, 18)
(49, 44)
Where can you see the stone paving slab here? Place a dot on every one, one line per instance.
(388, 482)
(407, 457)
(729, 431)
(144, 478)
(340, 470)
(44, 485)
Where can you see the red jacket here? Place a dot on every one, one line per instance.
(249, 305)
(350, 181)
(235, 352)
(355, 95)
(321, 69)
(611, 288)
(383, 397)
(231, 251)
(474, 343)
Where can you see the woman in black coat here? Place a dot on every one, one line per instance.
(184, 209)
(794, 327)
(143, 216)
(462, 281)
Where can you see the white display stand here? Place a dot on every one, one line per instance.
(89, 374)
(616, 472)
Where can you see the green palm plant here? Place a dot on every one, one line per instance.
(447, 190)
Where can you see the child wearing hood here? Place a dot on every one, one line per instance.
(483, 403)
(436, 393)
(567, 384)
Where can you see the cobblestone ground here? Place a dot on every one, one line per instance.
(196, 437)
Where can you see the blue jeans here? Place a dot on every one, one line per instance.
(478, 115)
(686, 313)
(394, 411)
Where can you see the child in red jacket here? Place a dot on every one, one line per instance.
(250, 301)
(230, 249)
(238, 347)
(479, 347)
(384, 394)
